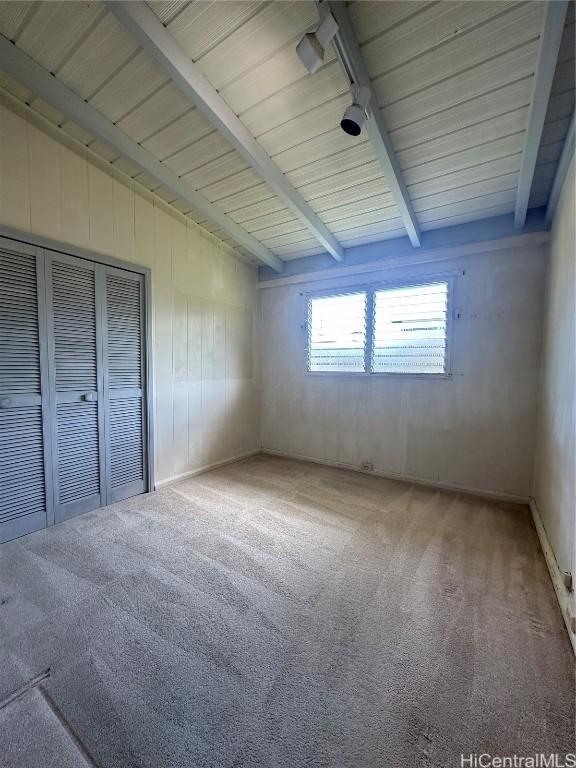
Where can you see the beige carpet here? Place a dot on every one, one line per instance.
(279, 614)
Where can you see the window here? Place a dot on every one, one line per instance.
(337, 332)
(386, 329)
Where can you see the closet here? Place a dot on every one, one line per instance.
(73, 410)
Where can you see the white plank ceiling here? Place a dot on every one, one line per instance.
(453, 79)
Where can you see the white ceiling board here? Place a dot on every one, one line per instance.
(359, 154)
(356, 195)
(480, 110)
(139, 79)
(278, 218)
(201, 152)
(12, 17)
(56, 29)
(383, 205)
(102, 53)
(477, 135)
(477, 155)
(273, 76)
(380, 217)
(177, 134)
(238, 183)
(300, 250)
(373, 233)
(549, 153)
(162, 108)
(268, 220)
(373, 18)
(335, 190)
(460, 195)
(167, 9)
(226, 167)
(462, 87)
(289, 228)
(274, 25)
(436, 27)
(504, 32)
(477, 173)
(305, 94)
(296, 132)
(255, 201)
(469, 205)
(555, 131)
(333, 141)
(282, 240)
(159, 42)
(200, 26)
(486, 212)
(454, 81)
(564, 77)
(561, 105)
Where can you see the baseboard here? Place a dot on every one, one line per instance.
(206, 468)
(493, 495)
(565, 597)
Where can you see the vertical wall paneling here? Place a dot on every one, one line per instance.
(75, 198)
(198, 420)
(14, 170)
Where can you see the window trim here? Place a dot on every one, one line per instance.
(370, 288)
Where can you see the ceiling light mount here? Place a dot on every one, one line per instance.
(313, 45)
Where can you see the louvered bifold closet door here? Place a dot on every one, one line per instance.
(74, 338)
(123, 320)
(25, 493)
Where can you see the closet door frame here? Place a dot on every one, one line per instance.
(39, 245)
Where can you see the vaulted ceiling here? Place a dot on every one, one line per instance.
(453, 81)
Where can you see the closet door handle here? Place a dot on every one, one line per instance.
(90, 397)
(5, 402)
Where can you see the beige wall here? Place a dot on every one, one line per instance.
(206, 391)
(554, 480)
(476, 430)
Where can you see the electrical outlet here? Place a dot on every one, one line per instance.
(367, 466)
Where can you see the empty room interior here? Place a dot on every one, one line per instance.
(287, 384)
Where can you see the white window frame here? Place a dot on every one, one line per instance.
(370, 289)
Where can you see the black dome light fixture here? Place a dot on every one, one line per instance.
(357, 113)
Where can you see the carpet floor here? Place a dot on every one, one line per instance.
(281, 614)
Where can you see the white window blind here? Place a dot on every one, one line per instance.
(337, 332)
(393, 329)
(410, 329)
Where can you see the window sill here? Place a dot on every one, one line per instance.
(360, 375)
